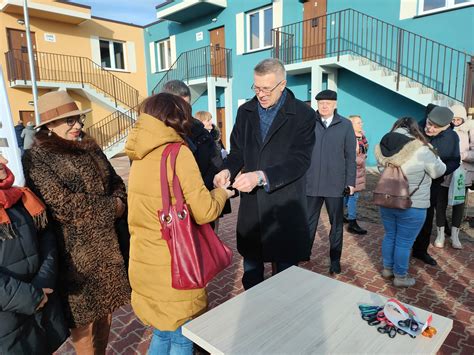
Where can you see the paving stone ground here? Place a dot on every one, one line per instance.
(446, 289)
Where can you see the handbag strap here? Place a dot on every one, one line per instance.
(415, 190)
(171, 151)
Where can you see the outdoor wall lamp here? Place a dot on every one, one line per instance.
(214, 19)
(20, 21)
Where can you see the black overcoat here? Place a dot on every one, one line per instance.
(28, 263)
(272, 222)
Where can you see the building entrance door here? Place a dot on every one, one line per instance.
(220, 119)
(218, 52)
(18, 54)
(314, 29)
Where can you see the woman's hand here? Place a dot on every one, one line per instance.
(46, 292)
(230, 193)
(119, 208)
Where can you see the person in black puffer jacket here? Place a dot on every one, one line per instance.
(440, 134)
(31, 318)
(200, 141)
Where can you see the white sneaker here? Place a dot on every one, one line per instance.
(439, 242)
(455, 243)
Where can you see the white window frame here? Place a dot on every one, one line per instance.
(261, 28)
(449, 4)
(112, 54)
(168, 60)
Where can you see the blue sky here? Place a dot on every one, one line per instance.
(139, 12)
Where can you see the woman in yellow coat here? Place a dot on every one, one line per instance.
(164, 119)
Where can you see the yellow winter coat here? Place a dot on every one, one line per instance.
(154, 301)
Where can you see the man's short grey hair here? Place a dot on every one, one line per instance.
(269, 66)
(176, 87)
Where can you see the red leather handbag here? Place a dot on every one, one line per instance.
(197, 253)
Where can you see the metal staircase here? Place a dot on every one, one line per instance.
(405, 62)
(88, 79)
(200, 63)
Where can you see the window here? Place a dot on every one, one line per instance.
(112, 54)
(428, 6)
(259, 29)
(164, 55)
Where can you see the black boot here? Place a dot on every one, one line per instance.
(355, 228)
(345, 220)
(335, 267)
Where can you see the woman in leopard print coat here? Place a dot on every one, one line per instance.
(84, 196)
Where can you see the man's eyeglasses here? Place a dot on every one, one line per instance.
(264, 91)
(71, 121)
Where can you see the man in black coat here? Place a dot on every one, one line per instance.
(332, 172)
(271, 145)
(200, 142)
(438, 130)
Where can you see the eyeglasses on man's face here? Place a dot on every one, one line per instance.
(265, 91)
(71, 121)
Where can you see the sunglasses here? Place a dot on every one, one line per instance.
(71, 121)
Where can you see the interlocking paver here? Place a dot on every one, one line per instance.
(446, 290)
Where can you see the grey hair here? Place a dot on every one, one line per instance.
(176, 87)
(270, 65)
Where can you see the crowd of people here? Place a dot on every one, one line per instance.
(65, 265)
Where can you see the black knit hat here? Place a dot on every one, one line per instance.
(327, 95)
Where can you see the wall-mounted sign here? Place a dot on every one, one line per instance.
(49, 37)
(199, 36)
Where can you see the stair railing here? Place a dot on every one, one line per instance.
(407, 54)
(113, 128)
(72, 69)
(204, 62)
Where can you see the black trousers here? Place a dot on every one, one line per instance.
(335, 209)
(442, 205)
(422, 241)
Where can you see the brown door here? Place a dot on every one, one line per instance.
(27, 116)
(18, 55)
(314, 29)
(220, 113)
(218, 52)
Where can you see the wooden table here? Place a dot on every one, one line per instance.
(301, 312)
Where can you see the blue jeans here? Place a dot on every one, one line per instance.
(170, 343)
(254, 270)
(401, 228)
(351, 203)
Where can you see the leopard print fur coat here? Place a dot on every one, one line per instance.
(80, 187)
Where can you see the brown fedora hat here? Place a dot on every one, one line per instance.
(56, 105)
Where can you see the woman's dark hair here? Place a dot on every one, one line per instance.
(172, 110)
(411, 125)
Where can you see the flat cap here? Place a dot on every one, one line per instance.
(327, 95)
(441, 116)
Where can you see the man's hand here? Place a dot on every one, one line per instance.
(246, 182)
(222, 179)
(351, 188)
(46, 292)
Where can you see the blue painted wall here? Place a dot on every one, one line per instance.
(242, 64)
(378, 107)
